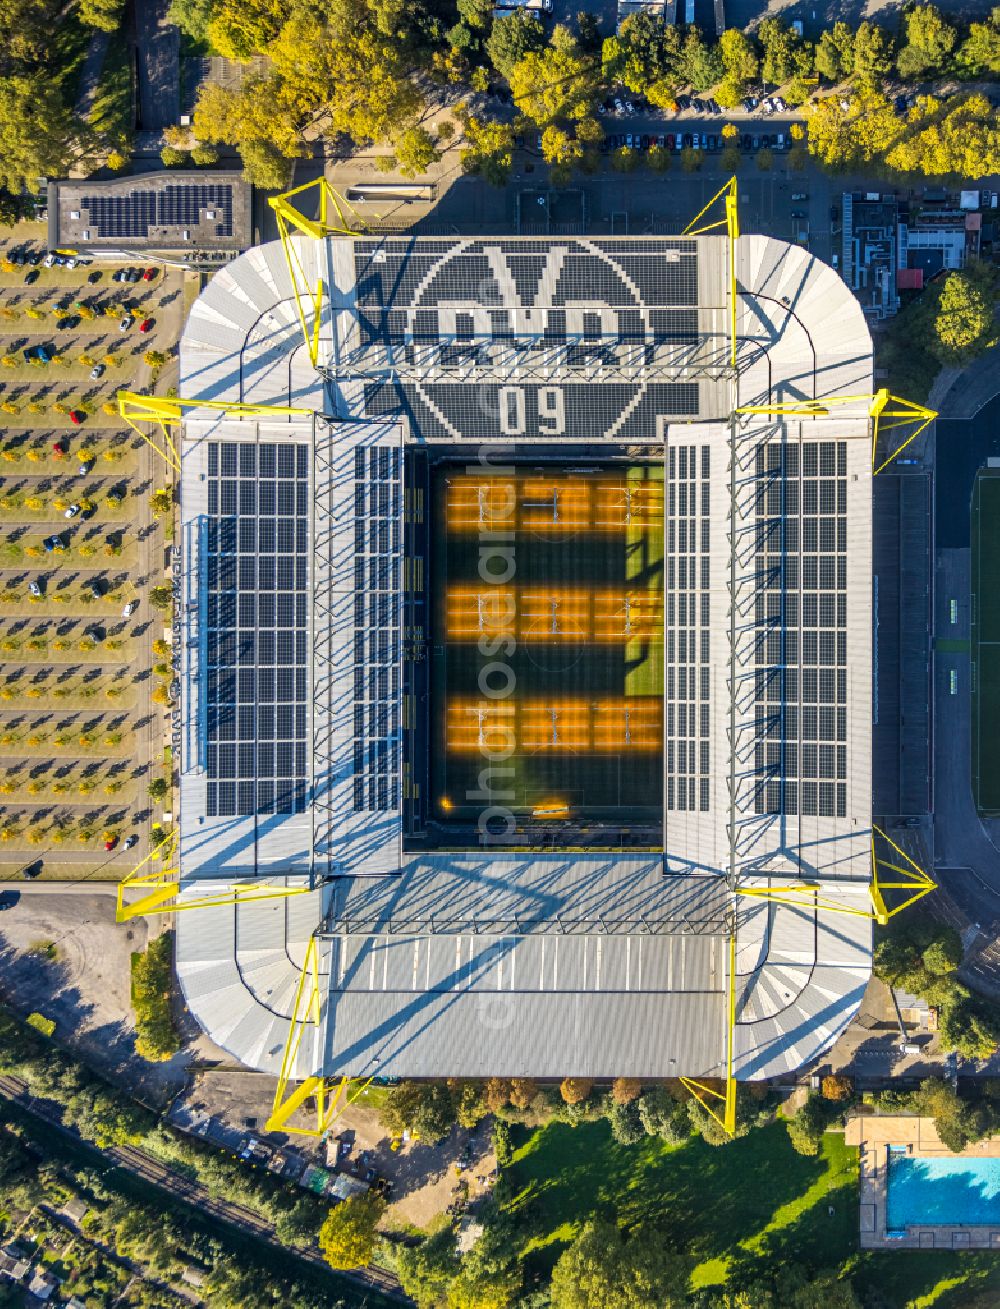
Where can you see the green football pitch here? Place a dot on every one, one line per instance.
(554, 668)
(986, 643)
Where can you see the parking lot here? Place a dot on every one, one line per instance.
(84, 655)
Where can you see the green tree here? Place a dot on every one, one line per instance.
(240, 29)
(785, 55)
(347, 1237)
(489, 149)
(835, 53)
(558, 82)
(156, 1036)
(626, 1123)
(929, 41)
(427, 1270)
(157, 789)
(415, 151)
(980, 51)
(601, 1270)
(963, 325)
(969, 1026)
(103, 14)
(191, 16)
(37, 131)
(512, 38)
(661, 1115)
(161, 597)
(700, 64)
(739, 58)
(873, 50)
(425, 1108)
(958, 1123)
(643, 54)
(807, 1125)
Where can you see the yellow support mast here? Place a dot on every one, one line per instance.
(329, 1103)
(731, 222)
(332, 218)
(881, 406)
(808, 895)
(721, 1105)
(168, 411)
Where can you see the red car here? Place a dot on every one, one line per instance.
(76, 417)
(59, 448)
(146, 325)
(110, 845)
(149, 274)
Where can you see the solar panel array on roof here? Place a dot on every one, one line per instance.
(182, 205)
(255, 628)
(802, 661)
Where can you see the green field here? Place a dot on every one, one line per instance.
(986, 643)
(582, 677)
(754, 1204)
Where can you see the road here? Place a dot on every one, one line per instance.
(158, 51)
(192, 1193)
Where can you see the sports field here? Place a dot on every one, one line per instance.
(548, 643)
(986, 642)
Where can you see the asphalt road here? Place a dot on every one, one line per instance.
(158, 54)
(158, 1174)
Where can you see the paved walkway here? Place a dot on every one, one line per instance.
(90, 74)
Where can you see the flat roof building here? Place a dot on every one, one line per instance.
(521, 651)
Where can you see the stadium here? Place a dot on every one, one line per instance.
(526, 659)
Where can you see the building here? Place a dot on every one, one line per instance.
(873, 244)
(525, 807)
(190, 217)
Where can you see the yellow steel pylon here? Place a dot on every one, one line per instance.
(731, 222)
(331, 219)
(162, 886)
(329, 1103)
(902, 413)
(167, 412)
(702, 1092)
(808, 895)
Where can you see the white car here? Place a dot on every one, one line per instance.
(125, 323)
(71, 512)
(696, 142)
(130, 608)
(49, 260)
(96, 372)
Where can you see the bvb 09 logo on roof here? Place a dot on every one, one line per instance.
(528, 320)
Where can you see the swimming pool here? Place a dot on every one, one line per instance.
(942, 1192)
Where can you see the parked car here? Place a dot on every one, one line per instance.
(149, 274)
(670, 140)
(119, 275)
(746, 141)
(799, 195)
(130, 841)
(95, 587)
(125, 323)
(53, 543)
(76, 417)
(59, 448)
(111, 843)
(96, 372)
(49, 259)
(687, 139)
(84, 468)
(711, 142)
(71, 511)
(35, 588)
(130, 608)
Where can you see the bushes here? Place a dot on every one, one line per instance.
(156, 1036)
(347, 1237)
(807, 1125)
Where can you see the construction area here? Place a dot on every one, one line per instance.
(526, 719)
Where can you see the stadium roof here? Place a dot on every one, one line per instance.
(534, 962)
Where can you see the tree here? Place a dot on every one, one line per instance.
(730, 159)
(764, 159)
(483, 1288)
(171, 157)
(601, 1270)
(512, 38)
(103, 14)
(930, 39)
(240, 29)
(644, 54)
(835, 53)
(489, 149)
(523, 1092)
(156, 1036)
(785, 56)
(980, 52)
(157, 789)
(347, 1237)
(963, 325)
(739, 58)
(558, 82)
(969, 1026)
(574, 1090)
(807, 1125)
(957, 1122)
(37, 131)
(191, 16)
(161, 597)
(426, 1270)
(425, 1108)
(626, 1124)
(700, 64)
(154, 358)
(415, 151)
(837, 1086)
(625, 1089)
(691, 159)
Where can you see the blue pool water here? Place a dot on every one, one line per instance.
(942, 1191)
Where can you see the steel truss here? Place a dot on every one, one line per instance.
(168, 411)
(328, 1103)
(332, 218)
(730, 221)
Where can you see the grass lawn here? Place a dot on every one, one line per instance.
(755, 1201)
